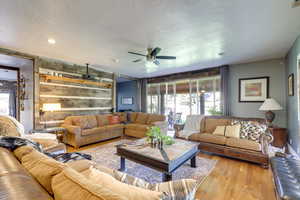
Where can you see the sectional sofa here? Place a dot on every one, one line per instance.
(88, 129)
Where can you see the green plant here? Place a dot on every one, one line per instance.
(213, 111)
(154, 133)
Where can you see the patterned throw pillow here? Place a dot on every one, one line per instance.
(255, 130)
(184, 189)
(250, 130)
(244, 128)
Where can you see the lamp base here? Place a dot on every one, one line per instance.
(270, 116)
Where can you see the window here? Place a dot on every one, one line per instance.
(185, 97)
(4, 103)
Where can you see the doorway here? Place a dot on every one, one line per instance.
(9, 91)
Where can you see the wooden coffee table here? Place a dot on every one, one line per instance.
(166, 160)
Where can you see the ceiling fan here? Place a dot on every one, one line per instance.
(152, 56)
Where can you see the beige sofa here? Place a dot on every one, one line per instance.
(27, 174)
(244, 149)
(83, 130)
(139, 123)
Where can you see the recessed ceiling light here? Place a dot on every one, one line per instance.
(51, 41)
(221, 53)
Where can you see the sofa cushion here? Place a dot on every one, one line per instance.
(243, 144)
(42, 168)
(102, 120)
(137, 127)
(22, 151)
(210, 124)
(122, 115)
(85, 122)
(133, 116)
(207, 137)
(97, 130)
(220, 130)
(70, 184)
(155, 118)
(114, 127)
(142, 118)
(233, 131)
(129, 191)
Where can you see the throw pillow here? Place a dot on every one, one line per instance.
(70, 184)
(184, 189)
(42, 168)
(255, 131)
(244, 127)
(114, 119)
(129, 191)
(233, 131)
(220, 130)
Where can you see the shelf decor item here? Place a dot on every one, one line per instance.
(253, 89)
(270, 105)
(291, 85)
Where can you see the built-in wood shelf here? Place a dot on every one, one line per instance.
(80, 81)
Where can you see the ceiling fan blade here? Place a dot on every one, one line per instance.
(136, 53)
(166, 57)
(137, 60)
(155, 51)
(156, 62)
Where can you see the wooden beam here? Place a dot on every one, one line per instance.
(80, 81)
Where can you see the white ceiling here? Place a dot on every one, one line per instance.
(196, 31)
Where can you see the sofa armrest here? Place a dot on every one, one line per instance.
(76, 130)
(265, 140)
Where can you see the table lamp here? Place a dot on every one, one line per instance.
(270, 105)
(50, 107)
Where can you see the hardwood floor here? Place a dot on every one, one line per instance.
(230, 180)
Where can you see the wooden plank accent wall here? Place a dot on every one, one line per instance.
(62, 83)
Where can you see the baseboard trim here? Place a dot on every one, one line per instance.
(292, 151)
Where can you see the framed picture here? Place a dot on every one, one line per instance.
(291, 85)
(127, 100)
(254, 89)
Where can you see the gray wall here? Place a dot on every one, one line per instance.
(127, 89)
(292, 105)
(275, 69)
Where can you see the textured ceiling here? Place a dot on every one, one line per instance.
(196, 31)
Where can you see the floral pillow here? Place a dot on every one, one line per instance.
(251, 130)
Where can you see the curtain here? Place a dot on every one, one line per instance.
(224, 71)
(143, 95)
(12, 103)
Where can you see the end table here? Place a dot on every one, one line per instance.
(280, 136)
(58, 131)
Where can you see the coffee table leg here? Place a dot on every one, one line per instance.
(122, 164)
(166, 177)
(193, 162)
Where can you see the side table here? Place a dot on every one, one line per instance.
(280, 136)
(58, 131)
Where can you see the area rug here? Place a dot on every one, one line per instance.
(106, 156)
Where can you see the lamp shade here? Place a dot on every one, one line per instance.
(270, 104)
(51, 107)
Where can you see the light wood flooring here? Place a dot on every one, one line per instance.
(230, 180)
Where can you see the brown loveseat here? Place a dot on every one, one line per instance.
(139, 124)
(89, 129)
(243, 149)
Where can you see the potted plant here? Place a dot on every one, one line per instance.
(156, 137)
